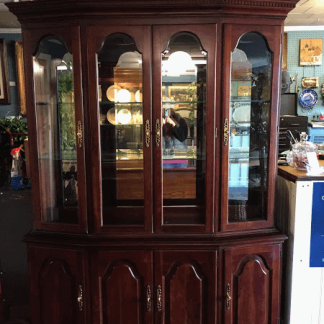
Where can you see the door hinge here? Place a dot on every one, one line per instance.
(215, 132)
(217, 259)
(279, 321)
(281, 39)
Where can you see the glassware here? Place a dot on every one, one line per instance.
(300, 150)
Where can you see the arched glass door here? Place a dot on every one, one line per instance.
(57, 142)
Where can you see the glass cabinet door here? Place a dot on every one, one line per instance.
(181, 110)
(59, 124)
(124, 129)
(247, 131)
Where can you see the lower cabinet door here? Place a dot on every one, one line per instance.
(251, 286)
(122, 287)
(57, 286)
(185, 286)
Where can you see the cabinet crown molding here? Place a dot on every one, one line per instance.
(31, 11)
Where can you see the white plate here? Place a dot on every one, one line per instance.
(112, 92)
(111, 116)
(124, 116)
(123, 96)
(242, 114)
(138, 96)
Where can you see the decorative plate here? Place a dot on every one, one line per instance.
(138, 96)
(111, 116)
(124, 116)
(308, 98)
(112, 92)
(242, 115)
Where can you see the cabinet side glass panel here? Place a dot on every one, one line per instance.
(56, 139)
(251, 71)
(121, 131)
(184, 130)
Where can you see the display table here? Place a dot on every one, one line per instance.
(290, 173)
(299, 209)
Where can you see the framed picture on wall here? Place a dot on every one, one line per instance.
(4, 74)
(21, 76)
(311, 51)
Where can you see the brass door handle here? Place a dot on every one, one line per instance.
(157, 133)
(159, 298)
(147, 133)
(80, 298)
(148, 298)
(79, 134)
(226, 132)
(228, 296)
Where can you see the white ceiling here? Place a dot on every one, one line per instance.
(7, 19)
(306, 13)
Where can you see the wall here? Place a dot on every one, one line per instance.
(15, 213)
(293, 67)
(13, 108)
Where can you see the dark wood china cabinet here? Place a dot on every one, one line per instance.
(154, 131)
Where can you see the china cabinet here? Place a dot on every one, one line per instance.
(154, 160)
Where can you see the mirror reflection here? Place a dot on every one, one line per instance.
(183, 127)
(121, 130)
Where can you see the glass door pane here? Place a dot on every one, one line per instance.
(121, 131)
(183, 141)
(251, 69)
(56, 131)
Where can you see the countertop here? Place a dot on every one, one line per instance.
(293, 174)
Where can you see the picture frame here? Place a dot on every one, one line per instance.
(284, 52)
(4, 74)
(176, 91)
(311, 51)
(244, 90)
(21, 76)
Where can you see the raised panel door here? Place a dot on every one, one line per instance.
(122, 287)
(251, 285)
(57, 286)
(185, 287)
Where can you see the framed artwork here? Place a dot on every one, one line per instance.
(21, 76)
(284, 52)
(244, 91)
(4, 74)
(311, 51)
(177, 92)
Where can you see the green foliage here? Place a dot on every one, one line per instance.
(67, 109)
(15, 126)
(65, 84)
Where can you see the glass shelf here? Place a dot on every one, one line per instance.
(105, 102)
(235, 99)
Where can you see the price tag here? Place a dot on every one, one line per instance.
(313, 167)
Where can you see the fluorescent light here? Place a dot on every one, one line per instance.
(302, 28)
